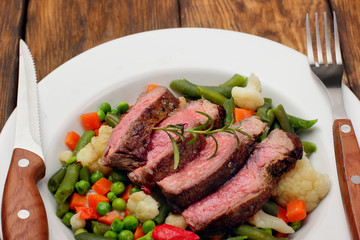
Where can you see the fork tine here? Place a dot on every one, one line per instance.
(318, 40)
(337, 42)
(327, 41)
(309, 47)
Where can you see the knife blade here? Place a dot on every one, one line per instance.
(23, 214)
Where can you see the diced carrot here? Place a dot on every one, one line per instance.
(102, 186)
(90, 121)
(241, 113)
(282, 214)
(127, 212)
(110, 217)
(296, 210)
(71, 140)
(77, 200)
(151, 87)
(87, 213)
(94, 199)
(217, 237)
(126, 194)
(139, 232)
(280, 235)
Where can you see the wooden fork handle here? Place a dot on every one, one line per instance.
(347, 155)
(23, 214)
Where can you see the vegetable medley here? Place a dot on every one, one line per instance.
(99, 202)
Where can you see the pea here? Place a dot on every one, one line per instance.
(119, 204)
(110, 234)
(82, 187)
(103, 208)
(101, 115)
(117, 225)
(123, 107)
(148, 226)
(126, 235)
(111, 196)
(80, 230)
(117, 188)
(96, 176)
(134, 190)
(130, 222)
(66, 218)
(105, 107)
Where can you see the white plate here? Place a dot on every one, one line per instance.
(120, 69)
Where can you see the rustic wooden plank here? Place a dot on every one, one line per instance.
(56, 31)
(347, 14)
(12, 14)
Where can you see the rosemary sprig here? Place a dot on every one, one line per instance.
(179, 130)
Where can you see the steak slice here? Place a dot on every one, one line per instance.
(160, 157)
(129, 141)
(244, 194)
(202, 176)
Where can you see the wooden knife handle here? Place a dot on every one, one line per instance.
(347, 154)
(23, 214)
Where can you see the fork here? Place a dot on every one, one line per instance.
(347, 152)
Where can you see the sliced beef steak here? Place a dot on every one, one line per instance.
(160, 157)
(244, 194)
(202, 176)
(129, 141)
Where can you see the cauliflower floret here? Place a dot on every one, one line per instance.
(264, 220)
(76, 222)
(100, 141)
(65, 155)
(143, 206)
(176, 220)
(302, 183)
(248, 97)
(90, 155)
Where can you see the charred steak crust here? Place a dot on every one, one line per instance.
(266, 169)
(231, 158)
(160, 156)
(128, 151)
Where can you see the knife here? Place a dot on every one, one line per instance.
(23, 214)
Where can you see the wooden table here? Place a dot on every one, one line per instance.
(57, 30)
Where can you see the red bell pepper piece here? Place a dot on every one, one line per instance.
(169, 232)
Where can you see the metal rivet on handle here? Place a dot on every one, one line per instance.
(23, 162)
(345, 128)
(23, 214)
(355, 179)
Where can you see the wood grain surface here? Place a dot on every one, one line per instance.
(56, 31)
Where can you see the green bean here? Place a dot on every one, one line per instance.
(299, 123)
(185, 87)
(163, 213)
(229, 106)
(83, 141)
(211, 95)
(112, 119)
(254, 233)
(67, 185)
(271, 208)
(56, 179)
(100, 228)
(271, 116)
(309, 147)
(71, 160)
(296, 225)
(283, 119)
(89, 236)
(235, 81)
(262, 111)
(119, 176)
(237, 238)
(189, 89)
(84, 174)
(62, 208)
